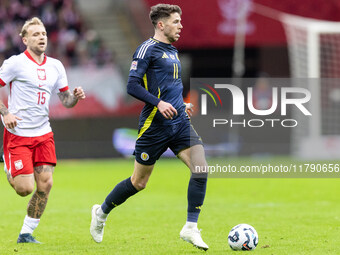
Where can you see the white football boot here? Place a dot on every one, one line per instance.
(97, 225)
(193, 235)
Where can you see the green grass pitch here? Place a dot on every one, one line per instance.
(291, 216)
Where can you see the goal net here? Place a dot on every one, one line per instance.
(314, 53)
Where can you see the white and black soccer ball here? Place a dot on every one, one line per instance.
(243, 237)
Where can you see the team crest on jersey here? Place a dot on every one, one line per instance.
(144, 156)
(172, 56)
(41, 74)
(134, 65)
(18, 164)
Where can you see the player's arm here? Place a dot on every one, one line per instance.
(68, 99)
(135, 89)
(9, 119)
(7, 74)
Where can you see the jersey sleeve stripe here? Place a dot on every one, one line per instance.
(2, 83)
(146, 48)
(143, 49)
(63, 89)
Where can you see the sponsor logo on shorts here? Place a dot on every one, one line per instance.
(18, 164)
(144, 156)
(134, 65)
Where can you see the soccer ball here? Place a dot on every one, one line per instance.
(243, 237)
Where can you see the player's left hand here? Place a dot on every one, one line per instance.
(79, 93)
(189, 109)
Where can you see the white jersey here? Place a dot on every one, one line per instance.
(30, 88)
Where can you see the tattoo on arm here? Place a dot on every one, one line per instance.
(3, 109)
(67, 99)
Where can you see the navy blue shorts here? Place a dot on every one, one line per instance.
(157, 139)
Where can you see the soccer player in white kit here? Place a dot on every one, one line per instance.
(29, 149)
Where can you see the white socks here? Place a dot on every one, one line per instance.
(101, 215)
(29, 225)
(190, 224)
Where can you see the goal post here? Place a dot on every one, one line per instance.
(314, 55)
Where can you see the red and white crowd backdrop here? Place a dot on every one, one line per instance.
(212, 23)
(207, 24)
(104, 88)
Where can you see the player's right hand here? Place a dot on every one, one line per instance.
(10, 120)
(166, 109)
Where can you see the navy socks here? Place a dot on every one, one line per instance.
(196, 193)
(125, 189)
(118, 195)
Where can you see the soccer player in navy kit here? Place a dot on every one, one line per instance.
(155, 78)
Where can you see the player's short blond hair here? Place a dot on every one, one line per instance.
(30, 22)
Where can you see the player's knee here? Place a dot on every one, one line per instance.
(139, 185)
(24, 191)
(49, 184)
(45, 185)
(22, 186)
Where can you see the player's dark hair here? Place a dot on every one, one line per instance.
(161, 11)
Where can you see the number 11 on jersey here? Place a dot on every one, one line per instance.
(175, 71)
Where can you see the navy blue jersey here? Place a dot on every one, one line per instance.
(157, 63)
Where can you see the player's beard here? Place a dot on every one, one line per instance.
(171, 38)
(39, 50)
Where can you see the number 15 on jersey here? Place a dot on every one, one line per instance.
(41, 97)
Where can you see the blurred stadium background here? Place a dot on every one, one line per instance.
(95, 41)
